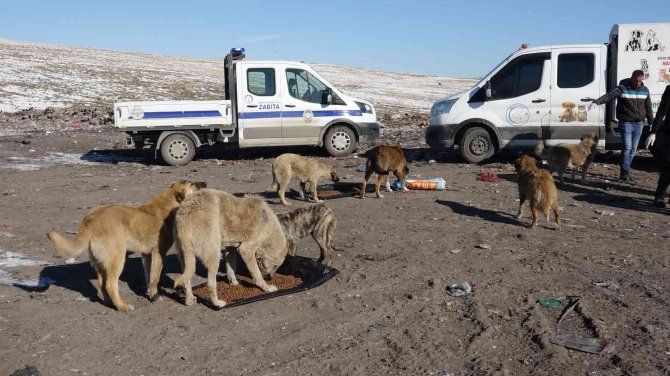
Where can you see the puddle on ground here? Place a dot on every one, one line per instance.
(10, 259)
(53, 159)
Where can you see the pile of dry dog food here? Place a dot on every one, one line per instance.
(246, 289)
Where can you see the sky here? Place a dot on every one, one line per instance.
(428, 37)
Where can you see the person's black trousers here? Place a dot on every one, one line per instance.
(663, 182)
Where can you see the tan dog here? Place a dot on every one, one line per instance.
(562, 156)
(108, 231)
(304, 169)
(317, 220)
(383, 159)
(536, 185)
(568, 114)
(210, 220)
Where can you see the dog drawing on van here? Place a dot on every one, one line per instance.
(635, 42)
(653, 44)
(568, 114)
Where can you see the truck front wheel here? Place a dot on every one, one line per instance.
(340, 141)
(476, 145)
(177, 149)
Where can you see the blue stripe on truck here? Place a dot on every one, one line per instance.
(249, 115)
(180, 114)
(295, 114)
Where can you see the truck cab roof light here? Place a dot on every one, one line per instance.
(236, 51)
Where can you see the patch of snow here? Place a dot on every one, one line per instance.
(40, 75)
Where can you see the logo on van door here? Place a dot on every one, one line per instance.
(517, 114)
(308, 115)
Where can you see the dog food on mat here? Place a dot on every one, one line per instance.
(430, 184)
(246, 289)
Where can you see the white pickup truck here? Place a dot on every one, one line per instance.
(544, 92)
(267, 103)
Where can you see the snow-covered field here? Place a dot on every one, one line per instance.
(40, 75)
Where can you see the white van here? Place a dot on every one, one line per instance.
(267, 103)
(544, 92)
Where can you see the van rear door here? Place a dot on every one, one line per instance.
(576, 81)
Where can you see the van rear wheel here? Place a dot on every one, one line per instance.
(476, 145)
(340, 141)
(177, 149)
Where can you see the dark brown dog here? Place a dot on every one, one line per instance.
(538, 186)
(383, 159)
(562, 156)
(317, 220)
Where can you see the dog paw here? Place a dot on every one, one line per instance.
(270, 288)
(126, 308)
(189, 301)
(219, 303)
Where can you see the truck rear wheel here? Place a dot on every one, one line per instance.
(476, 145)
(340, 141)
(177, 149)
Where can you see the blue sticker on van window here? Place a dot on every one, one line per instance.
(517, 114)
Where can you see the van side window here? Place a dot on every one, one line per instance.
(304, 86)
(519, 78)
(575, 70)
(261, 81)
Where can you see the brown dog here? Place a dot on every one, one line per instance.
(210, 220)
(108, 231)
(317, 220)
(562, 156)
(383, 159)
(536, 185)
(302, 168)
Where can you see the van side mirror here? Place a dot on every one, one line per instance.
(488, 90)
(327, 97)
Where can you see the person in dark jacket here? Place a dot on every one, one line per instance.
(659, 138)
(633, 106)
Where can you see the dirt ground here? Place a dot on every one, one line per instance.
(386, 312)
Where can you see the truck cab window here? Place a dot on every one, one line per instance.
(519, 78)
(304, 86)
(575, 70)
(261, 81)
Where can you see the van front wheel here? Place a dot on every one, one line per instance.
(340, 141)
(476, 145)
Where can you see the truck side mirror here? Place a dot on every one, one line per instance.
(488, 90)
(327, 97)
